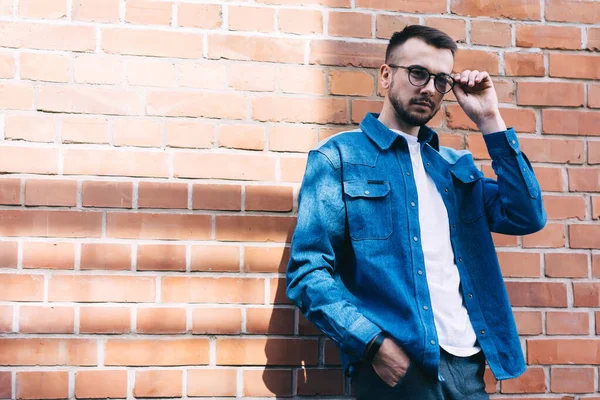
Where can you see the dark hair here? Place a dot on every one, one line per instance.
(431, 36)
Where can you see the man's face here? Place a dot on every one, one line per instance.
(415, 105)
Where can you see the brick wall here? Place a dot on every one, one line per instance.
(152, 153)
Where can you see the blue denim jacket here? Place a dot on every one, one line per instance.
(357, 266)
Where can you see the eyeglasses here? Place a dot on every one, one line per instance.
(419, 76)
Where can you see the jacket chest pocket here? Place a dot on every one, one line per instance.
(468, 186)
(369, 209)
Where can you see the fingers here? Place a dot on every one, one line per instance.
(471, 78)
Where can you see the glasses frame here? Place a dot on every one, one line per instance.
(413, 67)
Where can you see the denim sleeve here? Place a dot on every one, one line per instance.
(513, 202)
(318, 242)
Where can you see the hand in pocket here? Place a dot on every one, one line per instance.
(391, 362)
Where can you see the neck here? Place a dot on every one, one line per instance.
(390, 118)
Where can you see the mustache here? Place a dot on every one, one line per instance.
(422, 100)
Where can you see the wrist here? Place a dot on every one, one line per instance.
(373, 347)
(491, 124)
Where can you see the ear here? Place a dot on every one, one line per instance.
(385, 76)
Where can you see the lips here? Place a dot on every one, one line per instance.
(423, 103)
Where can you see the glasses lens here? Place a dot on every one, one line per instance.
(443, 83)
(418, 76)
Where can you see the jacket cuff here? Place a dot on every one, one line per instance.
(504, 143)
(358, 336)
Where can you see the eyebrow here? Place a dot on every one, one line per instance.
(436, 73)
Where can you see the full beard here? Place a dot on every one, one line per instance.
(413, 118)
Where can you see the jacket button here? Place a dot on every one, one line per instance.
(367, 192)
(416, 239)
(459, 259)
(483, 332)
(454, 225)
(432, 341)
(471, 177)
(420, 272)
(470, 295)
(412, 203)
(425, 308)
(446, 190)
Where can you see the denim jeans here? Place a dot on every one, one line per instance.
(462, 380)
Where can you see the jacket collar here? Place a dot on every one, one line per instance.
(383, 137)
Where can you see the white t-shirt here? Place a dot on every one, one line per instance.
(455, 332)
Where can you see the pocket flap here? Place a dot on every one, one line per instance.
(467, 175)
(368, 189)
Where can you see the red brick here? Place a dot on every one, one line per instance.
(292, 169)
(224, 166)
(562, 351)
(528, 322)
(146, 42)
(217, 197)
(84, 129)
(587, 12)
(212, 382)
(302, 79)
(292, 138)
(586, 294)
(158, 226)
(46, 319)
(10, 191)
(161, 320)
(207, 16)
(513, 9)
(410, 6)
(50, 352)
(596, 265)
(116, 162)
(44, 67)
(267, 352)
(48, 255)
(269, 198)
(593, 153)
(6, 384)
(105, 320)
(532, 381)
(327, 3)
(254, 228)
(167, 352)
(564, 207)
(162, 195)
(386, 24)
(491, 33)
(549, 37)
(215, 258)
(570, 122)
(160, 257)
(550, 94)
(138, 132)
(9, 254)
(217, 321)
(101, 384)
(253, 77)
(205, 75)
(31, 35)
(307, 328)
(96, 10)
(107, 194)
(481, 60)
(22, 287)
(320, 382)
(105, 256)
(552, 236)
(254, 19)
(572, 380)
(247, 137)
(6, 323)
(549, 178)
(522, 120)
(360, 108)
(519, 264)
(50, 223)
(524, 64)
(331, 353)
(45, 192)
(98, 288)
(16, 96)
(266, 259)
(584, 179)
(537, 294)
(593, 39)
(196, 104)
(148, 12)
(213, 290)
(350, 24)
(42, 9)
(267, 382)
(455, 28)
(32, 128)
(7, 64)
(89, 100)
(567, 323)
(190, 133)
(300, 21)
(328, 52)
(566, 265)
(300, 109)
(561, 66)
(273, 321)
(267, 49)
(553, 150)
(278, 295)
(42, 385)
(34, 160)
(357, 83)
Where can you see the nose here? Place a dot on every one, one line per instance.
(428, 89)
